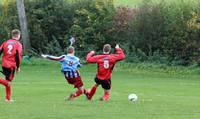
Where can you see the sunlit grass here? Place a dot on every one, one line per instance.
(163, 93)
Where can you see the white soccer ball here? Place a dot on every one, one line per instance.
(132, 97)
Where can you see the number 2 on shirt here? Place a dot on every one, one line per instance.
(106, 64)
(10, 48)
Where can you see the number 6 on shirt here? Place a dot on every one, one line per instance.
(106, 64)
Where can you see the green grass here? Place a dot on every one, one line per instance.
(130, 3)
(164, 93)
(135, 3)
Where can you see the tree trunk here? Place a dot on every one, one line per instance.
(23, 25)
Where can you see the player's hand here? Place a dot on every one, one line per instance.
(117, 46)
(18, 70)
(9, 83)
(44, 56)
(93, 52)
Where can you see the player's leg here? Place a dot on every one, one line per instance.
(77, 82)
(8, 91)
(90, 93)
(7, 85)
(106, 95)
(80, 91)
(106, 85)
(3, 81)
(9, 74)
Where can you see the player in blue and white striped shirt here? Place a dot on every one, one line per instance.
(69, 67)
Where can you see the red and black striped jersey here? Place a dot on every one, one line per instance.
(105, 62)
(12, 53)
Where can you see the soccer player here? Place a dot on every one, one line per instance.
(12, 55)
(69, 68)
(106, 63)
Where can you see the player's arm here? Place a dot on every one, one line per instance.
(91, 58)
(1, 49)
(50, 57)
(119, 53)
(18, 57)
(79, 63)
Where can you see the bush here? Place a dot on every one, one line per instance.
(51, 21)
(172, 28)
(161, 32)
(8, 19)
(92, 23)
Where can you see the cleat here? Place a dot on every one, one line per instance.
(9, 101)
(105, 98)
(88, 95)
(71, 97)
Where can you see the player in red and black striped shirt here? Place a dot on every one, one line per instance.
(106, 63)
(12, 55)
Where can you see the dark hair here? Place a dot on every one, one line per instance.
(70, 49)
(15, 32)
(106, 48)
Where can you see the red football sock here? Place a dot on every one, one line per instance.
(106, 93)
(92, 91)
(8, 88)
(8, 92)
(84, 91)
(106, 96)
(78, 93)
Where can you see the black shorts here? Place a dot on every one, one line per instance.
(106, 84)
(9, 73)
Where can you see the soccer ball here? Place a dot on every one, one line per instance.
(132, 97)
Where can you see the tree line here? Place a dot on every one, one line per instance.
(162, 32)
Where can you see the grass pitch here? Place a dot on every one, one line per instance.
(163, 92)
(130, 3)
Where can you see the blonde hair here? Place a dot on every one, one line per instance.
(15, 33)
(70, 49)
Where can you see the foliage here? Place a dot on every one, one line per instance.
(49, 20)
(8, 19)
(54, 20)
(92, 23)
(170, 28)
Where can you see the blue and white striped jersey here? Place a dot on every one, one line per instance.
(69, 64)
